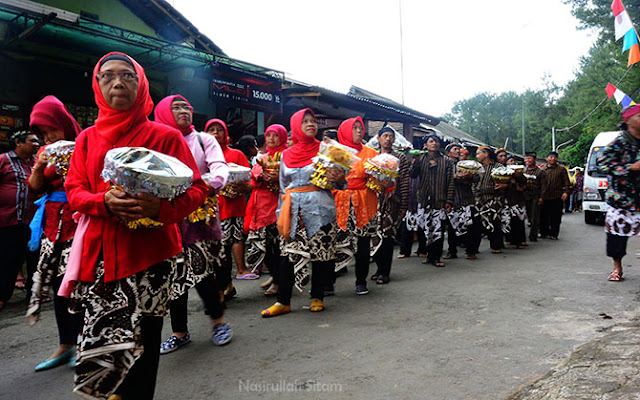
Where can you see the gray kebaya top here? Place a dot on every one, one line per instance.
(316, 208)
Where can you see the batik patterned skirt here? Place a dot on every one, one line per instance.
(347, 241)
(303, 250)
(196, 262)
(622, 222)
(111, 338)
(429, 220)
(259, 241)
(461, 219)
(490, 212)
(232, 230)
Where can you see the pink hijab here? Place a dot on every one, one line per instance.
(164, 115)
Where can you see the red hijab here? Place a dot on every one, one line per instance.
(304, 147)
(113, 123)
(164, 115)
(345, 132)
(51, 112)
(225, 145)
(282, 134)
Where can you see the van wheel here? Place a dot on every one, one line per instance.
(590, 217)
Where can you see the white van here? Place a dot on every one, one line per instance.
(596, 183)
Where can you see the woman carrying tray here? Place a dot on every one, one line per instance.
(123, 276)
(200, 231)
(306, 218)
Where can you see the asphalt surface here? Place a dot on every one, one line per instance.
(482, 329)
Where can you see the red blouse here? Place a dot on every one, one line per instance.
(235, 207)
(127, 251)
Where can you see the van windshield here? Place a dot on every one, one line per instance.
(592, 167)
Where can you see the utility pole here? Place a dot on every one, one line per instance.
(523, 146)
(553, 138)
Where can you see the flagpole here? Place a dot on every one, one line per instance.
(401, 52)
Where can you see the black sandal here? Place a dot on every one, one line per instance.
(382, 280)
(375, 277)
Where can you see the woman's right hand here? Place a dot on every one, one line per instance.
(269, 176)
(635, 166)
(42, 161)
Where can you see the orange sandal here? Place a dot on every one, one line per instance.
(275, 310)
(316, 305)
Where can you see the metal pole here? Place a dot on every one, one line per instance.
(401, 53)
(553, 138)
(523, 146)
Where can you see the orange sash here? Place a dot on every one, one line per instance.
(284, 221)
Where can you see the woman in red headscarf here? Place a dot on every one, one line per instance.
(53, 228)
(232, 204)
(260, 219)
(306, 218)
(201, 231)
(124, 275)
(356, 206)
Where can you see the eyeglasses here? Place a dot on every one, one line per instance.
(180, 108)
(125, 76)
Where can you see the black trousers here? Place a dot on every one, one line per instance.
(434, 250)
(533, 212)
(273, 260)
(321, 272)
(406, 241)
(518, 235)
(69, 325)
(362, 259)
(13, 251)
(471, 239)
(550, 217)
(140, 382)
(384, 257)
(208, 291)
(223, 271)
(616, 246)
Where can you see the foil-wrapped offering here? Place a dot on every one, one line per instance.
(383, 167)
(332, 154)
(237, 174)
(470, 166)
(141, 170)
(59, 155)
(516, 168)
(501, 174)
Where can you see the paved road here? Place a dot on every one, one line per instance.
(472, 330)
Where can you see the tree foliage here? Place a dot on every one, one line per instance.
(578, 111)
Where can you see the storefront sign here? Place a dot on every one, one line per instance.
(245, 89)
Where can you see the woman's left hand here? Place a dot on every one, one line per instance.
(150, 205)
(336, 175)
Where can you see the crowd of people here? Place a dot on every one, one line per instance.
(112, 285)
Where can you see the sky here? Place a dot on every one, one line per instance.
(451, 50)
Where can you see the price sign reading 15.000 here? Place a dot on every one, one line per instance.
(257, 94)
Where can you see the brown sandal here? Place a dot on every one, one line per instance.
(614, 276)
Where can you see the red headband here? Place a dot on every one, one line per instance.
(631, 111)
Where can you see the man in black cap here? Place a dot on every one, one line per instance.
(435, 195)
(555, 191)
(461, 214)
(532, 193)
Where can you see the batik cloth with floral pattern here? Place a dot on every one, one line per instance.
(303, 250)
(347, 241)
(111, 338)
(259, 241)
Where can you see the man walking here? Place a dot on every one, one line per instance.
(555, 191)
(533, 192)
